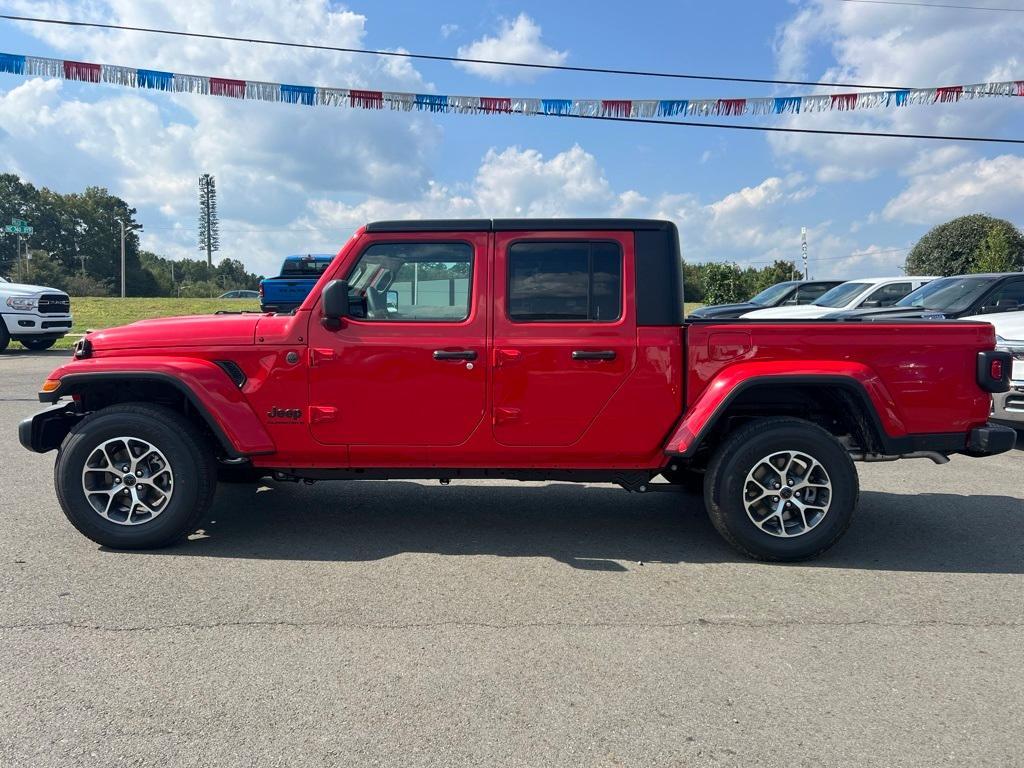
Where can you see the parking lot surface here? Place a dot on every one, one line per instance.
(493, 623)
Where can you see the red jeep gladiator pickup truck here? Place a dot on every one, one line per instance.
(525, 349)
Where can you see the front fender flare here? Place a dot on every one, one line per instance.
(204, 385)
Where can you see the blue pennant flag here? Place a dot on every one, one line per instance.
(9, 62)
(151, 78)
(901, 97)
(556, 106)
(432, 102)
(298, 94)
(675, 107)
(788, 104)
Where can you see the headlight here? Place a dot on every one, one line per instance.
(21, 302)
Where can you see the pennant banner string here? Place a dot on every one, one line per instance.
(641, 109)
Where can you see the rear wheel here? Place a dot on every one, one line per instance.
(781, 489)
(135, 476)
(37, 345)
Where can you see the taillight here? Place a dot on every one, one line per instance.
(261, 290)
(994, 370)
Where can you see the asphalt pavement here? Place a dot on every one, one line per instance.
(518, 624)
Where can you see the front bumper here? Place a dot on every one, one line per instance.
(1008, 407)
(34, 324)
(47, 429)
(990, 440)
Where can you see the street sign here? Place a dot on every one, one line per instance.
(18, 227)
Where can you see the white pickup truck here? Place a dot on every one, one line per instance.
(34, 315)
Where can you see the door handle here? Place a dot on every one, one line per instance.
(462, 354)
(588, 354)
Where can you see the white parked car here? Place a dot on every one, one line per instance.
(854, 294)
(32, 314)
(1008, 407)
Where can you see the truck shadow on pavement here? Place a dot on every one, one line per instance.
(591, 528)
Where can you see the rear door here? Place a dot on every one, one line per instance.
(564, 332)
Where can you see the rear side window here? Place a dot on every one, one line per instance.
(579, 282)
(307, 266)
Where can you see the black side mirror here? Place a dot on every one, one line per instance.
(335, 303)
(872, 304)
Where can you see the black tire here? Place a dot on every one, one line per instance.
(240, 474)
(37, 345)
(5, 337)
(743, 453)
(186, 451)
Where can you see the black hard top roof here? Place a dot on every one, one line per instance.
(507, 225)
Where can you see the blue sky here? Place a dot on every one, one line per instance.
(294, 179)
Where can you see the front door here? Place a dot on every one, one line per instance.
(564, 332)
(408, 368)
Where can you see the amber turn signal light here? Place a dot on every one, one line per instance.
(50, 385)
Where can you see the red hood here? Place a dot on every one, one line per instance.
(190, 331)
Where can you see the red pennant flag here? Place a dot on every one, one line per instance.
(495, 104)
(843, 101)
(949, 93)
(1020, 87)
(80, 70)
(220, 86)
(616, 107)
(730, 106)
(366, 99)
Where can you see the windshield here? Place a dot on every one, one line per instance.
(842, 295)
(950, 294)
(771, 295)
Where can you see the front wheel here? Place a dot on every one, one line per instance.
(37, 345)
(781, 489)
(135, 476)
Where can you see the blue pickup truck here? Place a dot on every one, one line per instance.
(290, 288)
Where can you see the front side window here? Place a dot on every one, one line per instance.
(1009, 296)
(888, 295)
(565, 281)
(412, 282)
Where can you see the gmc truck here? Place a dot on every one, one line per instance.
(511, 348)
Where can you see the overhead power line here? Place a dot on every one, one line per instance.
(435, 57)
(780, 129)
(936, 5)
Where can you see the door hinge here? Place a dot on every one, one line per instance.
(320, 414)
(505, 415)
(504, 356)
(319, 355)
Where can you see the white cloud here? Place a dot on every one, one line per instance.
(518, 40)
(897, 47)
(447, 30)
(993, 186)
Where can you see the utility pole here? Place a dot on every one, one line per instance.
(803, 249)
(130, 228)
(121, 222)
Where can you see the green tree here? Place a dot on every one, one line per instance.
(996, 253)
(956, 247)
(722, 283)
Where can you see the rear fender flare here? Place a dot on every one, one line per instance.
(854, 379)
